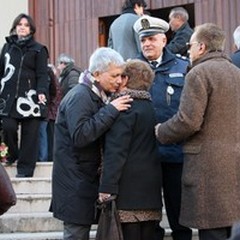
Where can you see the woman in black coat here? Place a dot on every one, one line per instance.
(130, 166)
(23, 92)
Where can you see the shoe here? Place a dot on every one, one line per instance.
(20, 175)
(10, 161)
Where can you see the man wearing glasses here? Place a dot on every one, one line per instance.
(208, 123)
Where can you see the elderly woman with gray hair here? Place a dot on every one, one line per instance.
(69, 73)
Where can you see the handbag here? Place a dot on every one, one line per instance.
(7, 194)
(109, 225)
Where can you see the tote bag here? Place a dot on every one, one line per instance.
(109, 226)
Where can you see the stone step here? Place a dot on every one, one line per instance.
(34, 185)
(59, 236)
(43, 169)
(27, 203)
(29, 222)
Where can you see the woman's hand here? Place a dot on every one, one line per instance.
(42, 99)
(102, 197)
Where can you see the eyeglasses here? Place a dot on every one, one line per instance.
(189, 45)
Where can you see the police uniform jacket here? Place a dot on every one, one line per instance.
(208, 122)
(236, 58)
(81, 121)
(23, 74)
(165, 92)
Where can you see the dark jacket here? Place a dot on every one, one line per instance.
(131, 168)
(69, 78)
(82, 120)
(23, 74)
(177, 43)
(236, 58)
(170, 73)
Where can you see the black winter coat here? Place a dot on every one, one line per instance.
(23, 74)
(131, 168)
(82, 120)
(69, 78)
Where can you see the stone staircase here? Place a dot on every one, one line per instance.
(30, 219)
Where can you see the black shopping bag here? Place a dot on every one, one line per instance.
(109, 226)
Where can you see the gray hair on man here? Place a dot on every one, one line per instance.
(65, 58)
(181, 12)
(102, 58)
(236, 37)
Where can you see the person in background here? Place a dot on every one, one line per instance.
(84, 115)
(131, 169)
(23, 93)
(46, 129)
(165, 91)
(55, 97)
(178, 21)
(69, 73)
(236, 55)
(122, 36)
(208, 123)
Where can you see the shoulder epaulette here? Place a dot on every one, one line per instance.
(182, 57)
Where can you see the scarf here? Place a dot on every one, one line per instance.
(133, 93)
(86, 78)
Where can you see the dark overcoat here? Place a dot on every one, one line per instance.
(208, 120)
(131, 169)
(82, 120)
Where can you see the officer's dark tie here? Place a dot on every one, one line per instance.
(154, 64)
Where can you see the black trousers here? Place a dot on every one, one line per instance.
(76, 232)
(172, 174)
(27, 151)
(138, 230)
(214, 234)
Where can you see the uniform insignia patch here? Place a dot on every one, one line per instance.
(145, 23)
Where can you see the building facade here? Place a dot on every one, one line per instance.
(78, 27)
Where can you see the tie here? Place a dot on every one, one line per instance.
(154, 64)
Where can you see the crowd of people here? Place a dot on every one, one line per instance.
(152, 120)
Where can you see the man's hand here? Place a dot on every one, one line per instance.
(122, 103)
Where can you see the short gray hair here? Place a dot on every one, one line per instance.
(102, 58)
(181, 12)
(65, 58)
(236, 37)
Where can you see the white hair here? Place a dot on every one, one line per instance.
(65, 58)
(102, 58)
(236, 37)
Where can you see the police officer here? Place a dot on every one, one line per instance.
(170, 71)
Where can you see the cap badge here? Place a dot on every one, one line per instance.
(145, 23)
